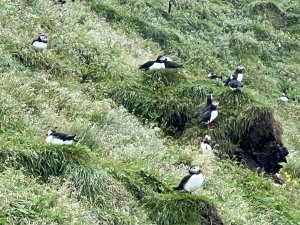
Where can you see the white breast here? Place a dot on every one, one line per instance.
(194, 183)
(40, 46)
(283, 98)
(213, 115)
(240, 77)
(55, 141)
(157, 66)
(205, 147)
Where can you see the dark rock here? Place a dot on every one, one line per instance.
(260, 146)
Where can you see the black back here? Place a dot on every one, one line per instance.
(205, 116)
(62, 136)
(171, 64)
(183, 182)
(146, 65)
(234, 83)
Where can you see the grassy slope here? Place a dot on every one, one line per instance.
(115, 141)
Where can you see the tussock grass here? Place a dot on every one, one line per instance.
(94, 51)
(197, 210)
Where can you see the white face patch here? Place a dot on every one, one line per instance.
(49, 132)
(195, 169)
(44, 38)
(162, 58)
(215, 103)
(208, 137)
(241, 67)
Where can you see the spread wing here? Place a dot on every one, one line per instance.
(146, 65)
(182, 183)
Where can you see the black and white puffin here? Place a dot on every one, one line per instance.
(61, 2)
(210, 112)
(284, 96)
(40, 44)
(57, 138)
(214, 76)
(205, 144)
(162, 62)
(191, 182)
(235, 85)
(239, 74)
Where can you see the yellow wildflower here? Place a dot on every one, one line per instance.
(286, 173)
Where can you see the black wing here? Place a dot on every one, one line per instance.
(182, 183)
(63, 136)
(146, 65)
(235, 84)
(205, 116)
(170, 64)
(226, 82)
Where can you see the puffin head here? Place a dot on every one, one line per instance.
(161, 59)
(43, 38)
(51, 131)
(168, 59)
(211, 74)
(196, 169)
(240, 68)
(207, 138)
(215, 104)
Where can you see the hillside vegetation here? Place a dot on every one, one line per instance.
(138, 131)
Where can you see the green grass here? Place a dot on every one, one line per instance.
(124, 167)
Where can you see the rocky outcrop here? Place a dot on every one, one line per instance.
(260, 145)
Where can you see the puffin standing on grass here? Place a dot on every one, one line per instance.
(191, 182)
(210, 112)
(284, 96)
(40, 44)
(234, 84)
(239, 74)
(205, 144)
(162, 62)
(57, 138)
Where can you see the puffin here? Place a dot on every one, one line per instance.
(284, 97)
(40, 44)
(57, 138)
(214, 76)
(162, 62)
(238, 72)
(192, 181)
(60, 2)
(205, 144)
(235, 85)
(210, 112)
